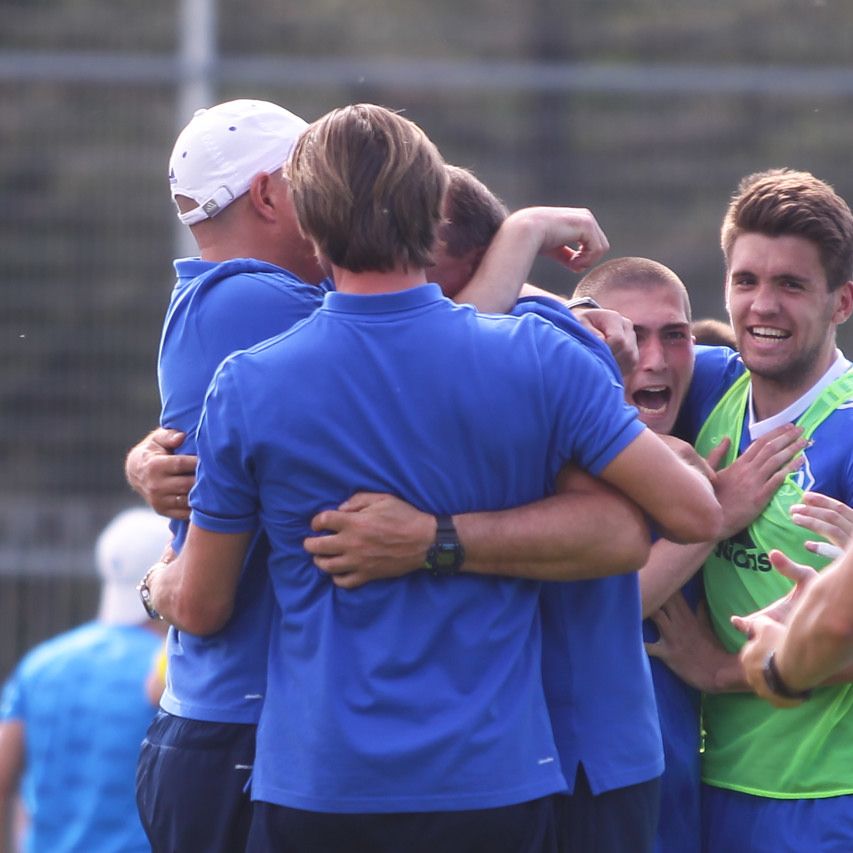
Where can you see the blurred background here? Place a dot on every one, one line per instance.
(646, 112)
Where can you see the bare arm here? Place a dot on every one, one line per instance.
(815, 646)
(195, 592)
(587, 530)
(162, 478)
(650, 473)
(11, 768)
(570, 235)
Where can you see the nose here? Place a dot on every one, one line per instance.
(652, 354)
(764, 299)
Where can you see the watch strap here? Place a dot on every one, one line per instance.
(775, 682)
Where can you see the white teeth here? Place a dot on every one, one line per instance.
(768, 332)
(654, 388)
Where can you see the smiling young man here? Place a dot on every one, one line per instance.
(776, 779)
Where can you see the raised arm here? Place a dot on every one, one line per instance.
(568, 234)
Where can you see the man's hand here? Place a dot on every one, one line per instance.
(690, 648)
(746, 486)
(616, 331)
(162, 478)
(570, 235)
(765, 635)
(370, 537)
(687, 453)
(827, 517)
(780, 610)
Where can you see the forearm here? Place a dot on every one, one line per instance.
(495, 286)
(195, 592)
(668, 568)
(569, 536)
(818, 645)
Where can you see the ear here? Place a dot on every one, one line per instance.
(843, 303)
(262, 195)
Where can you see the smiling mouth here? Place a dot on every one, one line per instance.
(768, 333)
(652, 400)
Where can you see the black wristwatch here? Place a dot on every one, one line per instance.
(446, 555)
(775, 683)
(145, 593)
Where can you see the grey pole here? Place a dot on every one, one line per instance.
(196, 64)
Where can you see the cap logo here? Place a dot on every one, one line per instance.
(211, 208)
(172, 178)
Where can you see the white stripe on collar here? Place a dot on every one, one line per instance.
(758, 428)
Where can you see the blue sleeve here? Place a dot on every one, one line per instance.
(564, 320)
(715, 370)
(225, 496)
(211, 322)
(593, 422)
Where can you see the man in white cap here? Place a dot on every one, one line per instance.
(75, 709)
(256, 277)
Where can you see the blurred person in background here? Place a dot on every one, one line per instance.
(713, 333)
(75, 710)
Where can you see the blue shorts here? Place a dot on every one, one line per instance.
(616, 821)
(192, 784)
(742, 823)
(523, 828)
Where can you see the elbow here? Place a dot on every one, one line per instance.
(632, 552)
(690, 524)
(201, 618)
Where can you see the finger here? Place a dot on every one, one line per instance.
(360, 501)
(332, 565)
(350, 580)
(654, 650)
(329, 520)
(564, 255)
(717, 454)
(796, 572)
(825, 549)
(824, 502)
(322, 546)
(744, 625)
(168, 439)
(816, 525)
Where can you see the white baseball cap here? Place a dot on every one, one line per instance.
(125, 550)
(222, 148)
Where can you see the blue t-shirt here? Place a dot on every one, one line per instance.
(419, 693)
(217, 309)
(715, 368)
(81, 698)
(596, 672)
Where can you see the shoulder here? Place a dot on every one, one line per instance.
(715, 371)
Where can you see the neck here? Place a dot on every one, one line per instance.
(771, 396)
(373, 282)
(297, 259)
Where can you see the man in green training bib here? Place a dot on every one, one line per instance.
(778, 779)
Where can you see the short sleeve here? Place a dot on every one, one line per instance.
(225, 496)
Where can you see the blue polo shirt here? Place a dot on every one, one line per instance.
(596, 672)
(421, 693)
(217, 309)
